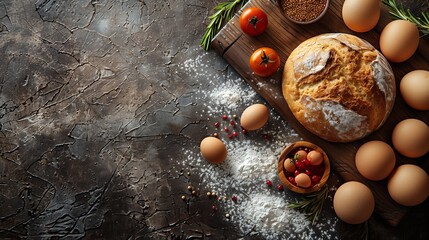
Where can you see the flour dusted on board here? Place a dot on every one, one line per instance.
(229, 96)
(252, 159)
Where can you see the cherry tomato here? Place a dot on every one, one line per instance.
(264, 62)
(253, 21)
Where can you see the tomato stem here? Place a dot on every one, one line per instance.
(265, 59)
(253, 21)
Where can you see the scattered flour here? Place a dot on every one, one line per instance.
(229, 96)
(252, 159)
(269, 215)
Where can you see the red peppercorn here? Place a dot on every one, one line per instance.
(244, 131)
(230, 136)
(280, 187)
(217, 124)
(235, 134)
(214, 208)
(308, 172)
(315, 179)
(224, 117)
(232, 123)
(226, 129)
(234, 199)
(296, 173)
(292, 180)
(306, 162)
(300, 166)
(269, 183)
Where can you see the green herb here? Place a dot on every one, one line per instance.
(223, 12)
(399, 12)
(296, 157)
(312, 205)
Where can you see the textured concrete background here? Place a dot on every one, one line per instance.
(94, 107)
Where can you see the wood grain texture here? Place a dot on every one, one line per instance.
(283, 35)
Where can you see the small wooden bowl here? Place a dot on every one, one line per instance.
(281, 170)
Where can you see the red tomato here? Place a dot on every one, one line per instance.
(264, 62)
(253, 21)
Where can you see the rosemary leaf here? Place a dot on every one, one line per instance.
(224, 11)
(312, 205)
(399, 12)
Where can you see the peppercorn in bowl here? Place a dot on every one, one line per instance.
(303, 12)
(303, 167)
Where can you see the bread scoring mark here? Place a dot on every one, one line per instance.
(330, 35)
(384, 78)
(355, 43)
(310, 62)
(348, 124)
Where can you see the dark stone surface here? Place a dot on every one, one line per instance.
(95, 109)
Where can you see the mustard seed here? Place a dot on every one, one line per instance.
(303, 10)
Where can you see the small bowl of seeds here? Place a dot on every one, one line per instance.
(303, 12)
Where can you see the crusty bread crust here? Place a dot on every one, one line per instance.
(338, 86)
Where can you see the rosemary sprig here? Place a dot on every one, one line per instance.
(312, 205)
(223, 12)
(399, 12)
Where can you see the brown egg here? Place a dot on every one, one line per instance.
(399, 40)
(254, 117)
(414, 89)
(300, 155)
(410, 138)
(303, 180)
(213, 150)
(409, 185)
(354, 202)
(315, 157)
(375, 160)
(361, 15)
(289, 165)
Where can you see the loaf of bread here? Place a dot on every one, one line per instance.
(339, 86)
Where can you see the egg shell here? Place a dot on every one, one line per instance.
(254, 117)
(399, 40)
(354, 202)
(361, 15)
(300, 155)
(409, 185)
(289, 165)
(213, 150)
(414, 89)
(375, 160)
(303, 180)
(410, 138)
(315, 157)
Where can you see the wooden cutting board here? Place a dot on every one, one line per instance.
(283, 35)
